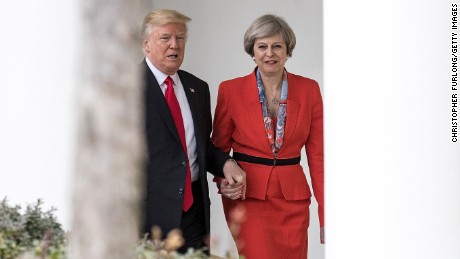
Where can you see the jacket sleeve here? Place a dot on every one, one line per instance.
(315, 150)
(223, 125)
(215, 156)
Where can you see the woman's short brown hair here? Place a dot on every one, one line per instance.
(266, 26)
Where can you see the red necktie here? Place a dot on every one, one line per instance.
(177, 116)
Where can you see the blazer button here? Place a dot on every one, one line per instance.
(184, 163)
(181, 191)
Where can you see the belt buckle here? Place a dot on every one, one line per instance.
(274, 161)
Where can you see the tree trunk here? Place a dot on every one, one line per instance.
(110, 148)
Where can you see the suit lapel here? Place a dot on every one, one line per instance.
(157, 101)
(188, 88)
(190, 93)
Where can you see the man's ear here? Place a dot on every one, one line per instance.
(146, 46)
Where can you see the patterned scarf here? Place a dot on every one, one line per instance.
(275, 144)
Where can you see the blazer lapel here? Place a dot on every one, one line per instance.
(255, 113)
(291, 120)
(292, 112)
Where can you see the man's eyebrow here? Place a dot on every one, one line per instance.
(178, 34)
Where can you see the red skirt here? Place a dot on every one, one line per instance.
(271, 228)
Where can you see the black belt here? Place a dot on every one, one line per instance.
(265, 161)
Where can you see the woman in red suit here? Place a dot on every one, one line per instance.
(266, 118)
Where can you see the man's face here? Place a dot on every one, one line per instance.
(166, 46)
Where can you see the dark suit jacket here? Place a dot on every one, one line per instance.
(165, 171)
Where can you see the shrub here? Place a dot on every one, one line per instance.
(34, 230)
(37, 234)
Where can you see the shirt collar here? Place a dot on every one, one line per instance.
(160, 76)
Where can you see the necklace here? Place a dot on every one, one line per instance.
(274, 99)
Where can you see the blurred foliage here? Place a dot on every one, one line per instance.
(156, 248)
(34, 231)
(36, 234)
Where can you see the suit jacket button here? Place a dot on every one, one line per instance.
(184, 163)
(181, 191)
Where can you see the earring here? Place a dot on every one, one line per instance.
(254, 58)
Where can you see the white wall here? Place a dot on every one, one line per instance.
(37, 79)
(392, 174)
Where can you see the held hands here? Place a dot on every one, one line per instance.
(234, 184)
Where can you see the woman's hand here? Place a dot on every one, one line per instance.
(233, 192)
(235, 177)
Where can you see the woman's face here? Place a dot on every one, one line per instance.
(270, 54)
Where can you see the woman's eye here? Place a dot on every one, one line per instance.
(262, 47)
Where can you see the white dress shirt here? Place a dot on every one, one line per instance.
(186, 115)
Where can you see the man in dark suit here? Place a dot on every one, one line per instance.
(178, 136)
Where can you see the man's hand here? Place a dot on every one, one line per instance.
(235, 181)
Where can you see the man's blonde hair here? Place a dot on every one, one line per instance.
(162, 17)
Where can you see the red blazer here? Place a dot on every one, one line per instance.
(238, 125)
